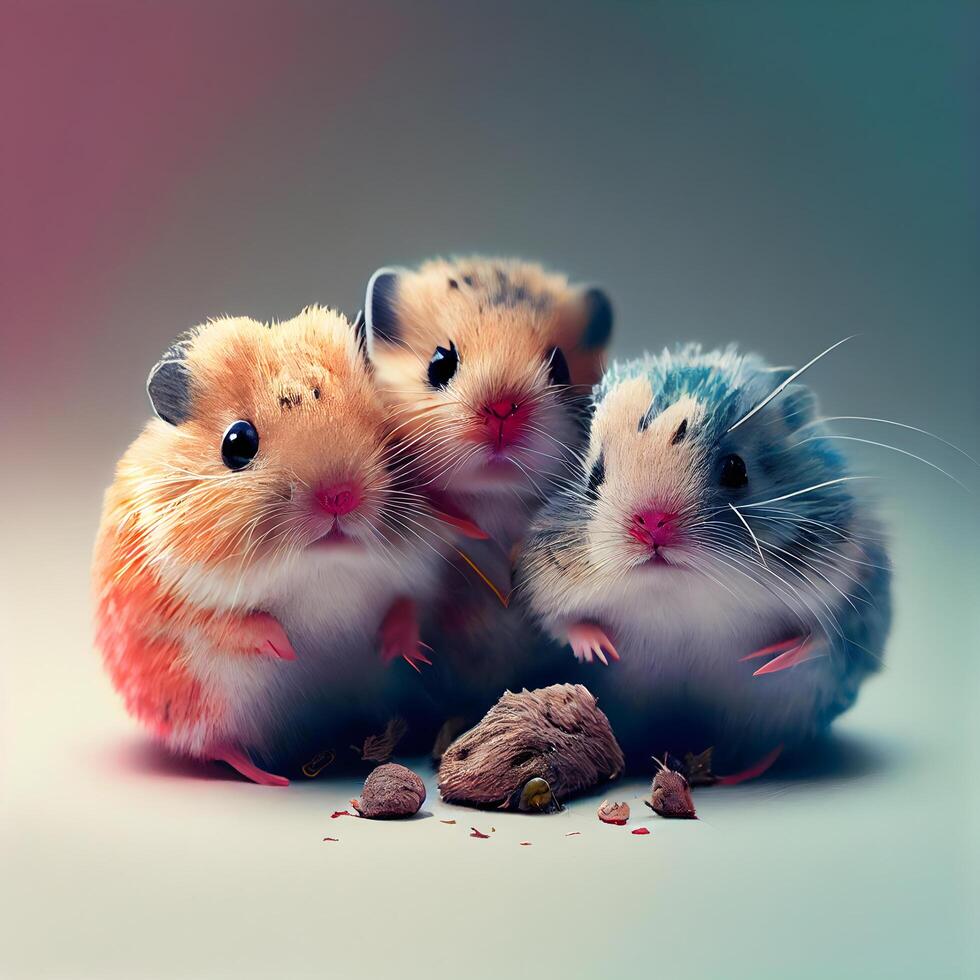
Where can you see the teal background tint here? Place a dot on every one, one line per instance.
(776, 174)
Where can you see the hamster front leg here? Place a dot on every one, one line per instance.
(257, 633)
(399, 634)
(251, 634)
(588, 640)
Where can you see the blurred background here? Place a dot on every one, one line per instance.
(777, 174)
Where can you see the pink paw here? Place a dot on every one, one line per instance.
(400, 635)
(239, 761)
(588, 641)
(798, 650)
(269, 637)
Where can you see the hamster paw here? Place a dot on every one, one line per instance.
(400, 635)
(753, 771)
(257, 633)
(790, 653)
(270, 637)
(239, 761)
(588, 641)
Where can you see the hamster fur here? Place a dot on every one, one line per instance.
(487, 365)
(711, 548)
(208, 578)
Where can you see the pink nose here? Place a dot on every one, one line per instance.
(339, 499)
(504, 408)
(505, 420)
(655, 528)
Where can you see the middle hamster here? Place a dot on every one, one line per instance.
(487, 366)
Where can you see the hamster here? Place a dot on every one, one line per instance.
(486, 365)
(712, 540)
(252, 524)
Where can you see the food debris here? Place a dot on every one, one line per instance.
(447, 821)
(477, 833)
(318, 763)
(670, 795)
(341, 813)
(536, 796)
(614, 813)
(574, 833)
(641, 831)
(380, 748)
(525, 843)
(698, 770)
(334, 839)
(556, 734)
(390, 792)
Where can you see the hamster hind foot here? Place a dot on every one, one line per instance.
(240, 762)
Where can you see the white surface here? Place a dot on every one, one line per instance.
(120, 863)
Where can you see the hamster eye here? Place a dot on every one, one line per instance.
(443, 366)
(597, 476)
(558, 367)
(239, 445)
(733, 473)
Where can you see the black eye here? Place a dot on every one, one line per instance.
(596, 477)
(558, 367)
(733, 474)
(443, 366)
(239, 445)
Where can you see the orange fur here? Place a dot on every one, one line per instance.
(183, 539)
(503, 353)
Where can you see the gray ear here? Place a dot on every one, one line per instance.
(380, 313)
(168, 385)
(799, 406)
(598, 319)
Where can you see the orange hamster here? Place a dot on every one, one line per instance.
(253, 551)
(487, 365)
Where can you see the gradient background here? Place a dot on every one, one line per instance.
(773, 173)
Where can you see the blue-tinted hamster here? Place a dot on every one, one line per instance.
(713, 541)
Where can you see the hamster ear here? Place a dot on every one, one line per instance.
(380, 313)
(799, 407)
(598, 319)
(168, 385)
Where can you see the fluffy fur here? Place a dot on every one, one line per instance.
(801, 556)
(504, 318)
(199, 568)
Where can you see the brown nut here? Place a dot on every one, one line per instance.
(670, 796)
(390, 791)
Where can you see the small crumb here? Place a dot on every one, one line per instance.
(477, 833)
(447, 821)
(640, 830)
(525, 843)
(332, 838)
(614, 813)
(341, 813)
(574, 833)
(493, 830)
(670, 795)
